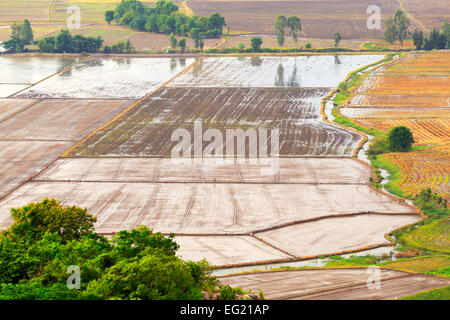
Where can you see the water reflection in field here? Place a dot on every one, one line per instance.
(324, 71)
(109, 78)
(29, 70)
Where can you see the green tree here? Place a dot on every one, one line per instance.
(418, 39)
(446, 33)
(216, 22)
(45, 239)
(196, 36)
(294, 24)
(173, 41)
(182, 44)
(256, 44)
(118, 47)
(64, 41)
(109, 16)
(402, 25)
(27, 32)
(337, 39)
(400, 139)
(280, 25)
(21, 35)
(129, 48)
(35, 219)
(390, 33)
(241, 47)
(47, 44)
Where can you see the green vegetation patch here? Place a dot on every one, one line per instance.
(435, 294)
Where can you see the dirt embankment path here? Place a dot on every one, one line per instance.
(413, 18)
(185, 8)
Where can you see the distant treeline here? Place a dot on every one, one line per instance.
(397, 28)
(165, 18)
(436, 39)
(64, 42)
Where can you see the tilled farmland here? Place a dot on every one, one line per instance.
(412, 91)
(117, 160)
(339, 284)
(147, 129)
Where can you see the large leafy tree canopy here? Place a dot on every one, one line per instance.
(165, 18)
(47, 238)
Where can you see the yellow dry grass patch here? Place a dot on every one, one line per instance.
(421, 264)
(425, 131)
(428, 168)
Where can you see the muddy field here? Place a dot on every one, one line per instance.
(112, 78)
(298, 170)
(208, 208)
(304, 71)
(29, 70)
(342, 284)
(60, 119)
(320, 19)
(333, 235)
(146, 130)
(227, 250)
(9, 107)
(21, 159)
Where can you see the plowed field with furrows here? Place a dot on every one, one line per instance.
(146, 130)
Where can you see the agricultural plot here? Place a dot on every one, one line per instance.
(9, 107)
(431, 14)
(425, 131)
(146, 130)
(333, 235)
(434, 236)
(270, 41)
(60, 119)
(395, 113)
(29, 70)
(304, 71)
(112, 78)
(21, 159)
(423, 169)
(341, 284)
(230, 208)
(227, 250)
(290, 170)
(348, 17)
(412, 91)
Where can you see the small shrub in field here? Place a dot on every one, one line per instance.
(400, 139)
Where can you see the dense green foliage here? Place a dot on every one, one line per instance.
(431, 203)
(21, 35)
(64, 42)
(400, 138)
(293, 24)
(46, 239)
(256, 43)
(436, 39)
(165, 18)
(435, 294)
(397, 27)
